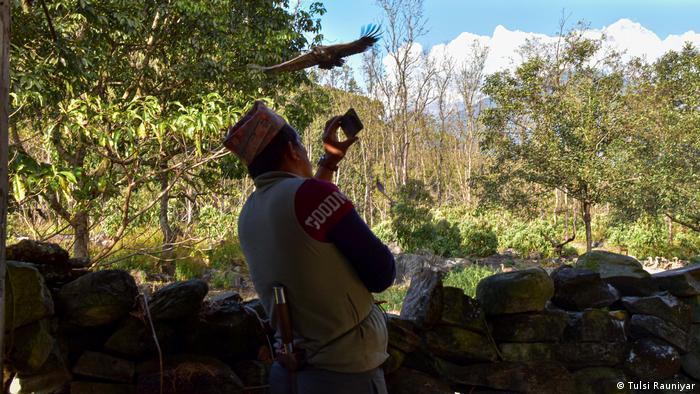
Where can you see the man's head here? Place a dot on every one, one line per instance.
(265, 142)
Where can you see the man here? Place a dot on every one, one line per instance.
(300, 231)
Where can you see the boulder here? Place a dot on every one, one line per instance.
(225, 330)
(134, 339)
(690, 362)
(51, 377)
(652, 359)
(178, 300)
(625, 273)
(402, 334)
(98, 298)
(408, 265)
(594, 325)
(38, 252)
(461, 310)
(664, 306)
(646, 325)
(600, 380)
(79, 387)
(31, 346)
(681, 282)
(531, 377)
(423, 302)
(547, 326)
(27, 299)
(460, 345)
(571, 355)
(578, 289)
(694, 338)
(693, 302)
(409, 381)
(104, 366)
(513, 292)
(185, 374)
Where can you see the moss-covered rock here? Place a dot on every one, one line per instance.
(98, 298)
(460, 345)
(681, 282)
(547, 326)
(461, 310)
(652, 359)
(31, 346)
(600, 380)
(594, 325)
(27, 299)
(530, 377)
(578, 288)
(572, 355)
(423, 302)
(651, 326)
(38, 252)
(690, 362)
(664, 306)
(409, 381)
(625, 273)
(513, 292)
(178, 300)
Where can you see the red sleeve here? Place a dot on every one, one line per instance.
(319, 206)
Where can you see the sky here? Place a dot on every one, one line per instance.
(448, 18)
(640, 28)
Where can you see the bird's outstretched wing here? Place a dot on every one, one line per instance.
(369, 35)
(332, 54)
(298, 63)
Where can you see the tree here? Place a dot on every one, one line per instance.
(667, 103)
(561, 121)
(117, 95)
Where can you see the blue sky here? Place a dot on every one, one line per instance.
(448, 18)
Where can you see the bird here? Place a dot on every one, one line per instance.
(328, 56)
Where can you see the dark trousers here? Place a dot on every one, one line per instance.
(320, 381)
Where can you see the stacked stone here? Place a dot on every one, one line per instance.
(581, 329)
(91, 334)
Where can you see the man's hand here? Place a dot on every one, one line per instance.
(335, 149)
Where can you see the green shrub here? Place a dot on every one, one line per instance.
(189, 268)
(385, 232)
(646, 237)
(467, 278)
(530, 238)
(445, 239)
(223, 279)
(686, 245)
(226, 254)
(477, 239)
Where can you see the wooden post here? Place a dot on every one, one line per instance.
(4, 142)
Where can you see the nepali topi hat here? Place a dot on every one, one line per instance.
(251, 134)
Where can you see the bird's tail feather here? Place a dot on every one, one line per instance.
(371, 31)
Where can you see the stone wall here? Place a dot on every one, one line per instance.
(74, 331)
(581, 329)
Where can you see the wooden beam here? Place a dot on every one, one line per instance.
(4, 146)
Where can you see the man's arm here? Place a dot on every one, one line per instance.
(327, 215)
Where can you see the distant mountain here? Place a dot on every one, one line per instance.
(624, 36)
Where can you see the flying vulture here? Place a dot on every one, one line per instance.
(327, 57)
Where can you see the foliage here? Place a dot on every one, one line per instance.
(467, 278)
(477, 239)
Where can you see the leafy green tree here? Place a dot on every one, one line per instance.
(112, 96)
(560, 121)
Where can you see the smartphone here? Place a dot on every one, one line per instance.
(350, 123)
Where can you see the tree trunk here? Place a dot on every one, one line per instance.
(670, 230)
(587, 220)
(4, 140)
(167, 255)
(81, 229)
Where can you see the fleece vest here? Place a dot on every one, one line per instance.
(333, 314)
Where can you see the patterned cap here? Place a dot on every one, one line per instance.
(251, 134)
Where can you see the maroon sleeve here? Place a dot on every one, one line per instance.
(319, 206)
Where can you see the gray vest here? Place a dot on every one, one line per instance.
(333, 314)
